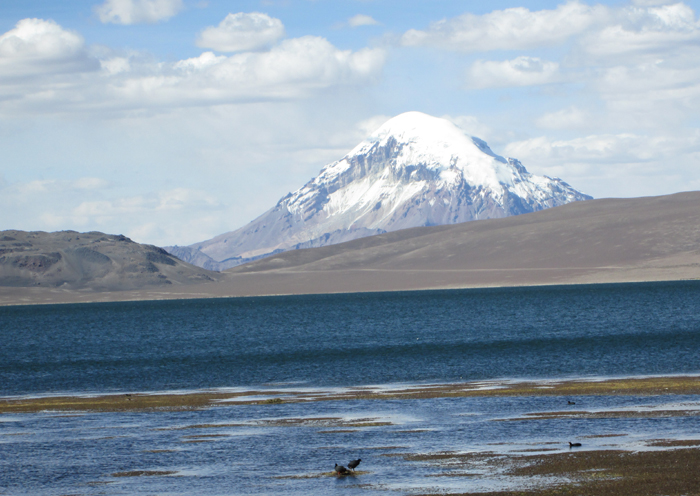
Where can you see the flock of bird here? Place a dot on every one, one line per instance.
(340, 470)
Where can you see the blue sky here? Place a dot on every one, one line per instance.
(172, 121)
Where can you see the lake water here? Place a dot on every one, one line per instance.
(327, 342)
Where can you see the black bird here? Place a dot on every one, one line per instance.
(340, 470)
(572, 402)
(574, 445)
(354, 463)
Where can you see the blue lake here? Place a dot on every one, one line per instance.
(336, 340)
(330, 341)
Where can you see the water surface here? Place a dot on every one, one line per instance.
(336, 340)
(328, 341)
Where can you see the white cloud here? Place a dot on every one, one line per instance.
(242, 32)
(510, 29)
(41, 47)
(90, 183)
(54, 186)
(85, 204)
(293, 69)
(361, 20)
(137, 11)
(651, 3)
(368, 126)
(470, 125)
(569, 118)
(641, 61)
(653, 94)
(647, 26)
(116, 65)
(609, 148)
(177, 199)
(207, 59)
(522, 71)
(158, 217)
(624, 164)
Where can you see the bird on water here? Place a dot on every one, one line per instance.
(574, 445)
(340, 470)
(354, 463)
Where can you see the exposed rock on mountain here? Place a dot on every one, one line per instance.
(415, 170)
(93, 260)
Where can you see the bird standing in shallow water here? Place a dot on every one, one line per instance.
(354, 464)
(340, 470)
(574, 445)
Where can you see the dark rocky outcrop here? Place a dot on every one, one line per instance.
(94, 260)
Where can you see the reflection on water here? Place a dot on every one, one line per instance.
(291, 448)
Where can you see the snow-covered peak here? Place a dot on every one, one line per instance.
(436, 144)
(417, 127)
(422, 131)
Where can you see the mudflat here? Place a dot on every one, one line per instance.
(671, 472)
(684, 385)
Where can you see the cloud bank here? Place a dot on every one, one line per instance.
(38, 51)
(510, 29)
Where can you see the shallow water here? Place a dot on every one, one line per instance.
(286, 449)
(331, 341)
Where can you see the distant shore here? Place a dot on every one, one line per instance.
(570, 389)
(244, 286)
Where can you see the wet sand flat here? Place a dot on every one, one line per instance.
(680, 385)
(603, 473)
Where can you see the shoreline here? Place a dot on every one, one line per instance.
(686, 384)
(56, 296)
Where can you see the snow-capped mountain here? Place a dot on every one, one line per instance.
(415, 170)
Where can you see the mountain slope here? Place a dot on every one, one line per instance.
(612, 234)
(415, 170)
(597, 241)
